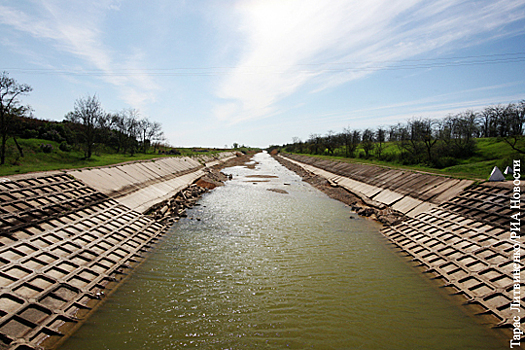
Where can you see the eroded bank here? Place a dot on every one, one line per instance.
(455, 231)
(68, 238)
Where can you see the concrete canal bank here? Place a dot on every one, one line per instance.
(67, 238)
(457, 232)
(276, 264)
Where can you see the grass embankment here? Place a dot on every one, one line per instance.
(35, 159)
(490, 152)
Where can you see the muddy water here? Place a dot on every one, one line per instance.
(266, 269)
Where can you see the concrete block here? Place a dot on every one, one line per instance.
(406, 204)
(388, 197)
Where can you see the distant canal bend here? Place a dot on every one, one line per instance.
(268, 262)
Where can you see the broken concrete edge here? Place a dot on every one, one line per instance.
(99, 239)
(166, 213)
(360, 204)
(172, 210)
(460, 241)
(400, 198)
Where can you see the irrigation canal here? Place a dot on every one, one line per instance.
(269, 262)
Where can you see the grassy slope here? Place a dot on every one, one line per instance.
(491, 152)
(36, 160)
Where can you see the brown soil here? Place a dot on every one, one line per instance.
(322, 184)
(386, 216)
(277, 190)
(240, 160)
(263, 176)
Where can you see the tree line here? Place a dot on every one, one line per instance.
(124, 131)
(87, 127)
(434, 142)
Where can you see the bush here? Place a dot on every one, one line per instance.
(52, 135)
(64, 146)
(47, 148)
(444, 162)
(30, 134)
(389, 157)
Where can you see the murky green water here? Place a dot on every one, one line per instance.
(268, 270)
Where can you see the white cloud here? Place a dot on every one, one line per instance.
(75, 28)
(314, 44)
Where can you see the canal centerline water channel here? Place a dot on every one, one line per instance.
(269, 262)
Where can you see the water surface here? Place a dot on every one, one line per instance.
(252, 268)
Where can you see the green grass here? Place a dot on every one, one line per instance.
(36, 160)
(490, 152)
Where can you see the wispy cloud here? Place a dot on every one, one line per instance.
(314, 45)
(75, 28)
(437, 107)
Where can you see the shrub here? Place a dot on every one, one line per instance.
(47, 148)
(389, 157)
(52, 135)
(30, 134)
(64, 146)
(444, 162)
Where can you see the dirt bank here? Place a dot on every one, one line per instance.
(455, 232)
(361, 206)
(173, 209)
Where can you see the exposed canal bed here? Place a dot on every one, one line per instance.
(267, 261)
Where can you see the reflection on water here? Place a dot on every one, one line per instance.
(276, 270)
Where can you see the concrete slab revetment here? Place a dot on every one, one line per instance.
(388, 197)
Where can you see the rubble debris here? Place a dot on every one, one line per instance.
(359, 203)
(173, 209)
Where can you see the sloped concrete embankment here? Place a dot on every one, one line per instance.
(67, 239)
(458, 234)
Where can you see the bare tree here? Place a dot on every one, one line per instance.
(155, 135)
(355, 140)
(149, 132)
(516, 118)
(516, 140)
(394, 132)
(10, 107)
(330, 142)
(89, 113)
(131, 126)
(315, 143)
(297, 145)
(410, 141)
(380, 138)
(494, 121)
(119, 132)
(345, 138)
(429, 134)
(367, 141)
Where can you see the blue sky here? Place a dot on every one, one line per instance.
(215, 72)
